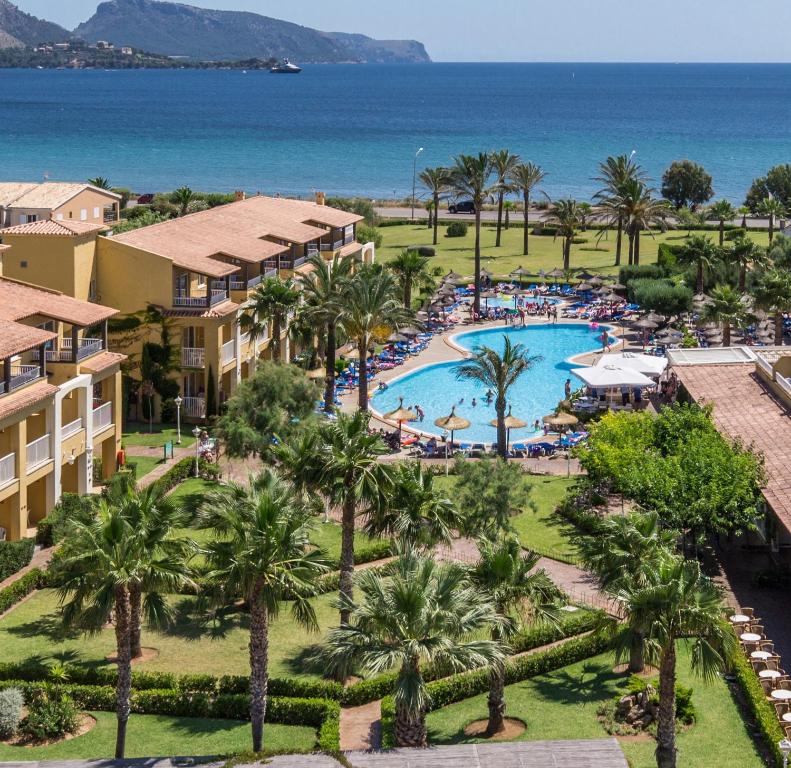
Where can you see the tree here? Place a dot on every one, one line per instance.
(341, 459)
(423, 612)
(688, 219)
(686, 183)
(372, 312)
(700, 253)
(642, 212)
(503, 165)
(725, 307)
(564, 216)
(100, 182)
(411, 269)
(436, 181)
(675, 602)
(471, 177)
(776, 183)
(183, 197)
(273, 299)
(525, 177)
(520, 595)
(661, 296)
(261, 552)
(745, 253)
(276, 401)
(772, 208)
(722, 211)
(773, 294)
(325, 290)
(508, 206)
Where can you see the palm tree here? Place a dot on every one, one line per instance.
(525, 177)
(436, 181)
(722, 211)
(411, 269)
(100, 182)
(503, 164)
(471, 177)
(773, 294)
(273, 299)
(499, 373)
(261, 552)
(518, 592)
(725, 307)
(372, 311)
(643, 212)
(341, 460)
(564, 216)
(700, 252)
(324, 290)
(182, 197)
(508, 206)
(746, 253)
(585, 211)
(676, 601)
(773, 208)
(423, 612)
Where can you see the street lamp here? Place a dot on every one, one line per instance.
(414, 176)
(785, 748)
(445, 440)
(196, 435)
(178, 401)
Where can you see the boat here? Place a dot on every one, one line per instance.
(285, 67)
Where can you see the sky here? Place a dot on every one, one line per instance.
(530, 30)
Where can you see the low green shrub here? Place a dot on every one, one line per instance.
(14, 556)
(456, 229)
(572, 510)
(11, 595)
(50, 715)
(11, 703)
(183, 469)
(387, 722)
(71, 506)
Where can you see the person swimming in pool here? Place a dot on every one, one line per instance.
(474, 402)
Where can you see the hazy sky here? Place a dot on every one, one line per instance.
(529, 30)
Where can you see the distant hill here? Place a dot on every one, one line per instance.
(18, 28)
(183, 30)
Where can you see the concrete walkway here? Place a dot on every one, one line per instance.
(361, 727)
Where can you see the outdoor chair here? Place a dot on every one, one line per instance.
(748, 612)
(772, 664)
(781, 708)
(767, 686)
(767, 645)
(758, 665)
(785, 684)
(758, 629)
(787, 729)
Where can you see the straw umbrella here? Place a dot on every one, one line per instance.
(451, 423)
(654, 318)
(452, 276)
(616, 287)
(519, 272)
(596, 280)
(584, 287)
(409, 331)
(585, 275)
(556, 272)
(401, 415)
(644, 325)
(511, 422)
(562, 421)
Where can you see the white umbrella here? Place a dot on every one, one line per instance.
(645, 364)
(612, 376)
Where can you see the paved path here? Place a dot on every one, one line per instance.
(361, 727)
(179, 452)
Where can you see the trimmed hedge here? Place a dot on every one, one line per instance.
(14, 556)
(31, 581)
(376, 550)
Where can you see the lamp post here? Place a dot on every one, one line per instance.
(178, 401)
(445, 439)
(785, 748)
(414, 177)
(196, 435)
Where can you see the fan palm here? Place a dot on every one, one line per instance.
(508, 206)
(182, 197)
(722, 211)
(519, 594)
(525, 177)
(642, 212)
(701, 253)
(725, 307)
(261, 553)
(99, 181)
(503, 164)
(746, 253)
(773, 209)
(565, 217)
(437, 182)
(676, 601)
(773, 294)
(498, 373)
(273, 299)
(410, 268)
(471, 177)
(423, 612)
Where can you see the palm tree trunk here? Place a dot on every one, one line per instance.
(259, 653)
(637, 654)
(526, 214)
(123, 686)
(722, 232)
(636, 258)
(507, 223)
(347, 548)
(363, 388)
(276, 337)
(699, 278)
(496, 701)
(502, 448)
(499, 219)
(476, 302)
(779, 329)
(329, 387)
(436, 216)
(407, 292)
(742, 278)
(566, 253)
(410, 726)
(726, 334)
(666, 728)
(135, 629)
(771, 227)
(618, 240)
(631, 247)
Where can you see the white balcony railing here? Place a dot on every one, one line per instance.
(67, 430)
(194, 407)
(7, 469)
(181, 300)
(21, 375)
(193, 357)
(228, 352)
(785, 384)
(38, 452)
(86, 347)
(765, 366)
(102, 416)
(244, 339)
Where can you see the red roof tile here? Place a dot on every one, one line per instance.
(16, 338)
(25, 397)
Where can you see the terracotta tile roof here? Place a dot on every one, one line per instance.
(19, 300)
(101, 362)
(223, 309)
(349, 249)
(49, 194)
(16, 338)
(746, 409)
(62, 228)
(25, 397)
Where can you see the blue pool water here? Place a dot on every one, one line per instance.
(508, 301)
(436, 389)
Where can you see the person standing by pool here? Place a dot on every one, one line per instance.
(421, 414)
(567, 389)
(605, 341)
(625, 395)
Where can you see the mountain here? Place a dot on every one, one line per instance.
(198, 33)
(18, 28)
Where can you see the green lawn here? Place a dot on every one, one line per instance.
(145, 464)
(157, 735)
(456, 253)
(328, 537)
(138, 434)
(563, 704)
(196, 643)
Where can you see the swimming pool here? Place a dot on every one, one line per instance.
(506, 301)
(537, 393)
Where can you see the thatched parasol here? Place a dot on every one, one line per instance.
(452, 276)
(616, 287)
(519, 272)
(401, 415)
(646, 324)
(653, 317)
(584, 287)
(451, 423)
(351, 354)
(596, 280)
(562, 421)
(396, 337)
(585, 275)
(409, 331)
(511, 422)
(556, 272)
(486, 273)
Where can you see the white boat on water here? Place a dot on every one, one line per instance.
(285, 67)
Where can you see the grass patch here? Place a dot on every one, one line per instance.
(138, 434)
(563, 704)
(328, 537)
(159, 735)
(145, 464)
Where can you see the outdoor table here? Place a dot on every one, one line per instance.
(787, 717)
(782, 694)
(770, 674)
(739, 619)
(750, 637)
(762, 655)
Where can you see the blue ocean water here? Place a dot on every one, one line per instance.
(436, 389)
(351, 129)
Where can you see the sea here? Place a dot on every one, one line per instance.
(355, 129)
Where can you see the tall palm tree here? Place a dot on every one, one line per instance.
(525, 177)
(643, 212)
(340, 459)
(273, 299)
(437, 182)
(411, 269)
(324, 290)
(100, 181)
(372, 311)
(503, 164)
(105, 560)
(676, 601)
(498, 373)
(773, 294)
(746, 253)
(423, 612)
(725, 307)
(182, 197)
(722, 211)
(519, 594)
(508, 206)
(773, 209)
(471, 177)
(260, 551)
(700, 252)
(564, 216)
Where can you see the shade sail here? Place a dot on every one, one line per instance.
(612, 376)
(648, 365)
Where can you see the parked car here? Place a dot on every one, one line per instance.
(464, 206)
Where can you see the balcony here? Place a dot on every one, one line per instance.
(228, 352)
(244, 339)
(7, 469)
(102, 417)
(333, 246)
(194, 407)
(20, 375)
(72, 428)
(289, 262)
(38, 452)
(245, 285)
(348, 239)
(86, 347)
(199, 302)
(193, 357)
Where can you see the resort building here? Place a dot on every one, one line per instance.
(25, 202)
(60, 400)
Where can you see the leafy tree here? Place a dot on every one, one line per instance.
(503, 165)
(661, 296)
(411, 269)
(779, 255)
(773, 294)
(773, 209)
(525, 177)
(261, 551)
(776, 183)
(686, 183)
(701, 253)
(368, 234)
(689, 219)
(565, 217)
(436, 181)
(726, 307)
(498, 373)
(424, 612)
(273, 299)
(183, 197)
(722, 211)
(146, 219)
(360, 205)
(745, 253)
(277, 400)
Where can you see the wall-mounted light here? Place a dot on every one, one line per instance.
(71, 458)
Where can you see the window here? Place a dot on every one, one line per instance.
(31, 217)
(84, 214)
(23, 265)
(97, 212)
(201, 281)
